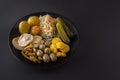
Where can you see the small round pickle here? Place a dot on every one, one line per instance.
(42, 47)
(46, 58)
(39, 53)
(47, 50)
(48, 42)
(53, 57)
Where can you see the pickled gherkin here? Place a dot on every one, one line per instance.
(62, 33)
(66, 28)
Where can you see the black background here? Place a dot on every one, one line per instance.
(98, 54)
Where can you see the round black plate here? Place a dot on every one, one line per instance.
(74, 41)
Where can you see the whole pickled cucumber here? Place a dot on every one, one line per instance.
(62, 33)
(66, 28)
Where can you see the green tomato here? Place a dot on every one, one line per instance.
(33, 20)
(24, 27)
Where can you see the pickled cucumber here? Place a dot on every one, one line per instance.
(66, 28)
(62, 33)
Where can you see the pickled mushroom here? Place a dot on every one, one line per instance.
(25, 39)
(15, 43)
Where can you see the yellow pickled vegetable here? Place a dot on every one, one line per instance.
(59, 48)
(53, 48)
(61, 54)
(62, 47)
(55, 40)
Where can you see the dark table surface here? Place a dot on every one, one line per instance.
(96, 57)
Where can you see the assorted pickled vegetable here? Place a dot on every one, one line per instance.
(43, 38)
